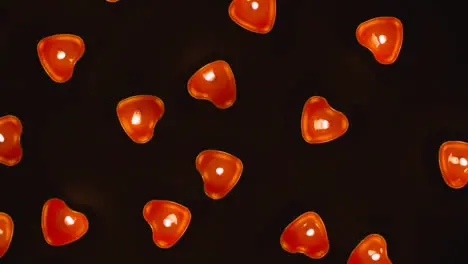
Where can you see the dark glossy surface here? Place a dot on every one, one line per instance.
(382, 176)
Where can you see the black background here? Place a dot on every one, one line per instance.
(381, 177)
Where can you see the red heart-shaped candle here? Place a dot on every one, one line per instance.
(6, 233)
(215, 83)
(257, 16)
(62, 225)
(371, 250)
(168, 221)
(383, 36)
(306, 235)
(321, 123)
(453, 163)
(138, 115)
(11, 151)
(58, 55)
(220, 172)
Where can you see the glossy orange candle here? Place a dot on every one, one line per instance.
(168, 221)
(321, 123)
(215, 83)
(6, 233)
(58, 55)
(11, 151)
(383, 36)
(62, 225)
(453, 163)
(138, 115)
(306, 235)
(371, 250)
(220, 172)
(257, 16)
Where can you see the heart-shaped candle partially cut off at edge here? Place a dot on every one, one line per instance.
(6, 233)
(246, 15)
(11, 151)
(60, 224)
(372, 249)
(321, 123)
(453, 163)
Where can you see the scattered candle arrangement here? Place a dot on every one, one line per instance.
(215, 82)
